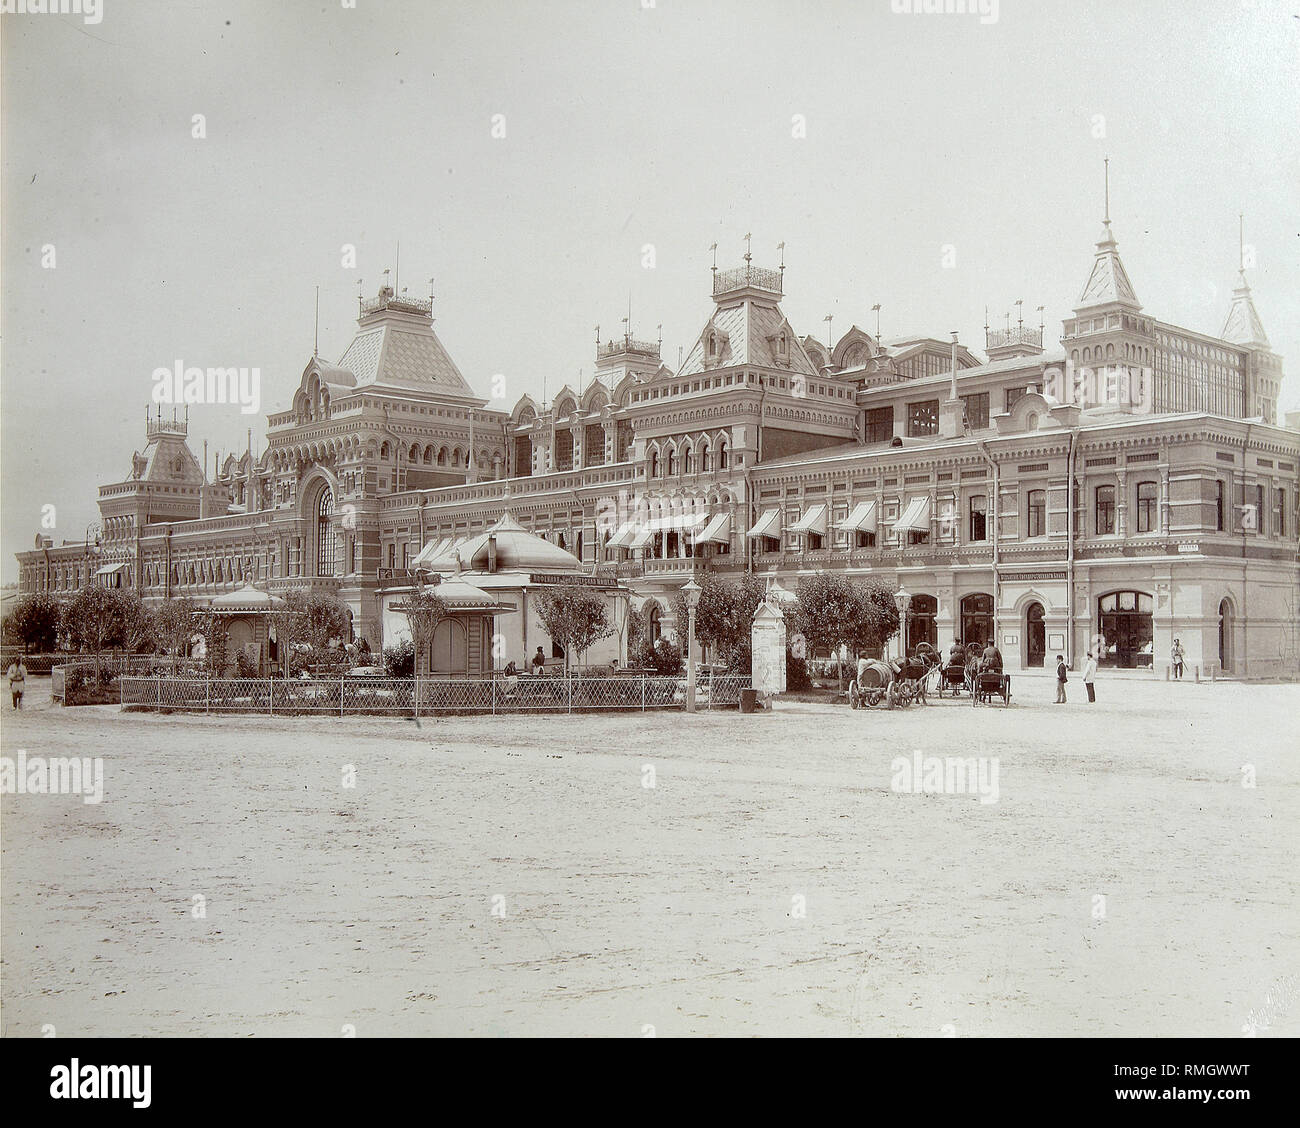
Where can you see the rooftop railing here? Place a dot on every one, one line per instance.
(743, 276)
(1019, 335)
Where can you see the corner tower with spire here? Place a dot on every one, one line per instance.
(1244, 328)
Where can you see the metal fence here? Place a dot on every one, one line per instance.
(376, 695)
(114, 664)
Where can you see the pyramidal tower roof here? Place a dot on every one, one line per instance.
(1109, 282)
(1243, 326)
(747, 326)
(396, 347)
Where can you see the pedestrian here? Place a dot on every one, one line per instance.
(17, 680)
(1089, 675)
(1060, 680)
(1176, 657)
(539, 661)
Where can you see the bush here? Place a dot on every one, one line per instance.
(399, 660)
(245, 667)
(796, 673)
(664, 658)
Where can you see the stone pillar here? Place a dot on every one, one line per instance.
(1121, 503)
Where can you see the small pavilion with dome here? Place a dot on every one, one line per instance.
(492, 583)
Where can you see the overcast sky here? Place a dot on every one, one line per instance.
(671, 125)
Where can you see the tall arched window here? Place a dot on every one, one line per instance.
(325, 546)
(723, 454)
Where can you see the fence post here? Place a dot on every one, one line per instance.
(643, 693)
(207, 700)
(158, 696)
(271, 698)
(415, 689)
(341, 695)
(494, 695)
(569, 686)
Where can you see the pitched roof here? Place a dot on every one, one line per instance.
(1243, 326)
(402, 355)
(1108, 281)
(747, 327)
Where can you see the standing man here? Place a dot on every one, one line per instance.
(17, 680)
(1060, 680)
(1176, 657)
(1089, 675)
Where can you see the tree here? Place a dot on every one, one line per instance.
(305, 625)
(35, 622)
(575, 617)
(214, 644)
(173, 624)
(833, 611)
(724, 616)
(93, 620)
(425, 611)
(137, 623)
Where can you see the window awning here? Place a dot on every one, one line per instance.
(769, 525)
(862, 519)
(641, 539)
(623, 536)
(717, 531)
(109, 569)
(916, 517)
(677, 521)
(432, 551)
(814, 521)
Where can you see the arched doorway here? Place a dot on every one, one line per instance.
(653, 630)
(976, 620)
(1225, 636)
(1124, 619)
(1035, 636)
(921, 622)
(449, 653)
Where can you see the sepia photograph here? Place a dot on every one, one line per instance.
(650, 519)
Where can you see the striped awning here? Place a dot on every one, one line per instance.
(109, 569)
(641, 539)
(690, 520)
(717, 531)
(813, 521)
(862, 519)
(623, 537)
(916, 517)
(769, 525)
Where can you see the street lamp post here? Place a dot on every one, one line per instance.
(902, 600)
(692, 592)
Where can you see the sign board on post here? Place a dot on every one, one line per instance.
(767, 640)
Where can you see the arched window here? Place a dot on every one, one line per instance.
(723, 454)
(921, 627)
(976, 619)
(654, 464)
(706, 458)
(672, 461)
(1125, 624)
(413, 454)
(688, 461)
(385, 452)
(442, 456)
(325, 542)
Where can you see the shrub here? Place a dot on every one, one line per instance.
(399, 660)
(245, 666)
(796, 673)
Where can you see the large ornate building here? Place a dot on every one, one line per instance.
(1131, 489)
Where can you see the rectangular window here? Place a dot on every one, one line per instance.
(923, 418)
(1037, 513)
(1281, 513)
(1146, 499)
(976, 410)
(863, 539)
(1218, 506)
(1014, 394)
(1105, 510)
(880, 424)
(915, 537)
(1259, 510)
(392, 555)
(979, 507)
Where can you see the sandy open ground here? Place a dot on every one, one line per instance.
(771, 882)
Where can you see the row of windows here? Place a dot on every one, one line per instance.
(669, 465)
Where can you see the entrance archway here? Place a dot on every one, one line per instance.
(1035, 636)
(1225, 636)
(976, 620)
(920, 622)
(450, 654)
(1124, 618)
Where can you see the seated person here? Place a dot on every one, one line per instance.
(956, 654)
(991, 661)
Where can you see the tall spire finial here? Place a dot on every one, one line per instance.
(1241, 243)
(876, 310)
(1020, 313)
(748, 256)
(315, 350)
(397, 268)
(781, 247)
(714, 249)
(1108, 191)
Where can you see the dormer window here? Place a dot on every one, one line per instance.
(713, 344)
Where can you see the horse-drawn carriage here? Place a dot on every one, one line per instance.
(989, 686)
(957, 675)
(893, 681)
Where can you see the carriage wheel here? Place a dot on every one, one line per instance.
(1006, 689)
(874, 697)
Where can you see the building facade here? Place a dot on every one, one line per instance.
(1132, 488)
